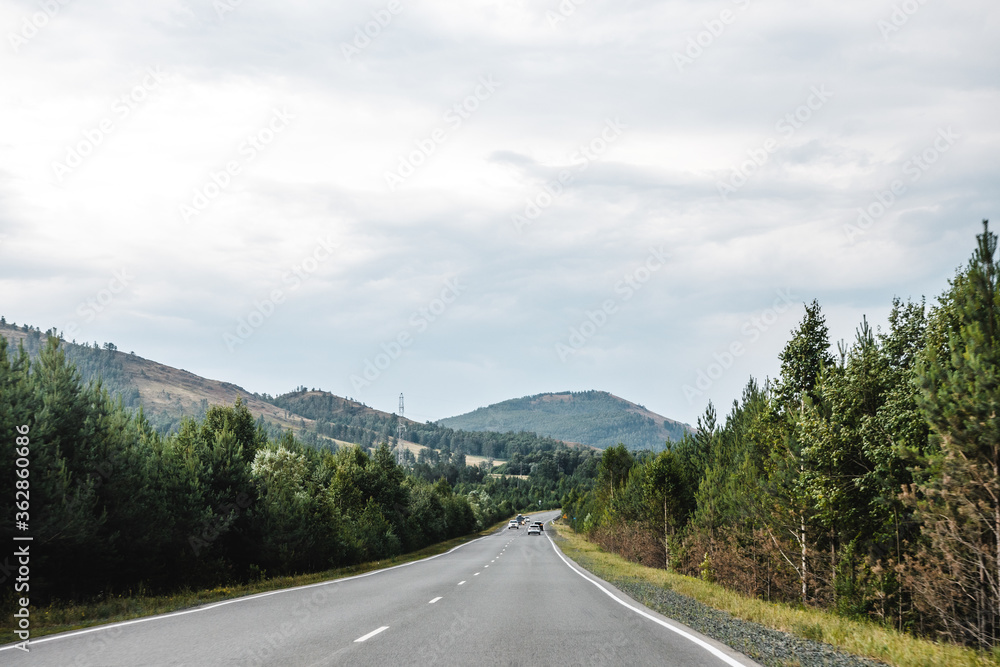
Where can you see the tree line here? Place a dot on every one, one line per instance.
(865, 480)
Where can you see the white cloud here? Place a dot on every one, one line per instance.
(324, 175)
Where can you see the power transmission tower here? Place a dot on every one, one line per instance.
(400, 428)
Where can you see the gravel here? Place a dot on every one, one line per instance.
(772, 648)
(766, 646)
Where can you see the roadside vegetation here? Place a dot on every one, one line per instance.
(865, 483)
(859, 637)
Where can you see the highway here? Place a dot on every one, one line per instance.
(505, 599)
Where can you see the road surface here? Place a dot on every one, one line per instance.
(505, 599)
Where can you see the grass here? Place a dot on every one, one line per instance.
(63, 617)
(860, 638)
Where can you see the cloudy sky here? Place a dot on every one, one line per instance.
(469, 202)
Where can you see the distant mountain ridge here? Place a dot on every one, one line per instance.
(596, 418)
(166, 394)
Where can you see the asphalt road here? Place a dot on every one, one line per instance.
(505, 599)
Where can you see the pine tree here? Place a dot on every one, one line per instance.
(956, 573)
(664, 489)
(616, 462)
(802, 361)
(803, 358)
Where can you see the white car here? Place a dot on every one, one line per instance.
(535, 530)
(513, 524)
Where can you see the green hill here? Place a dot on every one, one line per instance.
(166, 394)
(338, 418)
(594, 418)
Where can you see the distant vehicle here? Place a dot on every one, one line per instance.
(535, 530)
(513, 524)
(538, 525)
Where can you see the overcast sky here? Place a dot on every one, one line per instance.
(469, 202)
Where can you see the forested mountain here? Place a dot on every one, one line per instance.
(594, 418)
(336, 417)
(169, 395)
(166, 394)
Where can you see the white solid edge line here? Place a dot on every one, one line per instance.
(434, 600)
(705, 645)
(371, 634)
(98, 628)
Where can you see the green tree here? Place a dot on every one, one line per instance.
(802, 360)
(616, 462)
(665, 488)
(956, 573)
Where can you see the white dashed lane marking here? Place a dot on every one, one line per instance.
(371, 634)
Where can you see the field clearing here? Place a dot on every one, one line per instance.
(470, 459)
